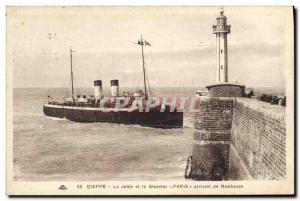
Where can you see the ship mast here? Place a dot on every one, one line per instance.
(145, 86)
(144, 43)
(71, 51)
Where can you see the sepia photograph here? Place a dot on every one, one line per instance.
(157, 100)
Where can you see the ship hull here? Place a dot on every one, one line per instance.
(88, 115)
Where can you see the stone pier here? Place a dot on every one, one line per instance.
(212, 139)
(255, 130)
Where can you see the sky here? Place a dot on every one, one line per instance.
(182, 52)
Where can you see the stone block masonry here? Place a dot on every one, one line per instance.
(213, 122)
(259, 136)
(210, 161)
(212, 139)
(256, 129)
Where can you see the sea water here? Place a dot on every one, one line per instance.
(53, 149)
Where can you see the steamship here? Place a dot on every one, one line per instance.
(97, 108)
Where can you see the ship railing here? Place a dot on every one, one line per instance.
(92, 104)
(55, 103)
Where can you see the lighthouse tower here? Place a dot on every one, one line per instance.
(221, 30)
(223, 88)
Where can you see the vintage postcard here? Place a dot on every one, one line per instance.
(150, 100)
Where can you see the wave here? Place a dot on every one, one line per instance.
(56, 118)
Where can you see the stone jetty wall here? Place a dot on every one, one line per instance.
(259, 136)
(212, 139)
(256, 130)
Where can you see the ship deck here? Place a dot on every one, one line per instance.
(89, 107)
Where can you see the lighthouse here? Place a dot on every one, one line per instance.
(223, 88)
(221, 30)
